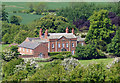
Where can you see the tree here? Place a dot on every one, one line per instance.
(31, 7)
(40, 7)
(100, 28)
(86, 52)
(21, 36)
(4, 14)
(114, 46)
(53, 23)
(15, 19)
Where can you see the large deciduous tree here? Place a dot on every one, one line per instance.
(114, 46)
(53, 23)
(15, 19)
(101, 29)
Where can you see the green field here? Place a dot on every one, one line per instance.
(27, 18)
(105, 61)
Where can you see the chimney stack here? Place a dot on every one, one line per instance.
(73, 30)
(46, 33)
(66, 29)
(40, 33)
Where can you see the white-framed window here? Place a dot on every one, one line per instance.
(52, 45)
(72, 44)
(67, 45)
(63, 45)
(63, 39)
(20, 48)
(30, 51)
(23, 49)
(82, 43)
(27, 50)
(59, 45)
(72, 52)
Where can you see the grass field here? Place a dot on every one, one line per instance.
(26, 18)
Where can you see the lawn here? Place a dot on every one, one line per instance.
(105, 61)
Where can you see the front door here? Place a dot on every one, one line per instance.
(63, 49)
(41, 55)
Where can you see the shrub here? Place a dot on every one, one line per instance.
(86, 52)
(62, 53)
(57, 57)
(8, 68)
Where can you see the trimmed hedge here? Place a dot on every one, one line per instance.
(61, 53)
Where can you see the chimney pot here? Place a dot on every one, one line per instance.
(40, 33)
(73, 30)
(46, 33)
(66, 29)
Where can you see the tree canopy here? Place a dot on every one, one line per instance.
(100, 29)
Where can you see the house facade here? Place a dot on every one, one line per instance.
(50, 42)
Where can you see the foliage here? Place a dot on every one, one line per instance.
(8, 55)
(101, 29)
(15, 19)
(58, 56)
(70, 63)
(114, 46)
(21, 36)
(53, 23)
(68, 70)
(94, 73)
(86, 52)
(4, 14)
(9, 31)
(84, 10)
(8, 68)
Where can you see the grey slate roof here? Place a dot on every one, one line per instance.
(59, 35)
(79, 38)
(29, 44)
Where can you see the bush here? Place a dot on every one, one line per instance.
(57, 57)
(86, 52)
(8, 68)
(62, 53)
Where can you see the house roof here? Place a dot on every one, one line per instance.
(29, 44)
(59, 35)
(79, 38)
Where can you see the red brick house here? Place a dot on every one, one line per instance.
(50, 42)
